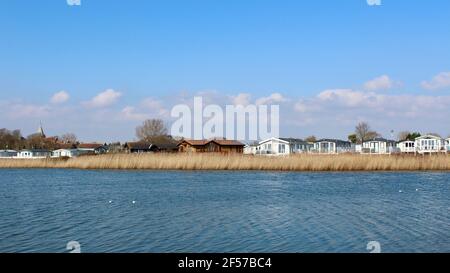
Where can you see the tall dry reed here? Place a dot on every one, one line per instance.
(329, 163)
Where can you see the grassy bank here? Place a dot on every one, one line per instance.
(241, 162)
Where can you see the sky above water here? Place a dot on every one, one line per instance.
(100, 68)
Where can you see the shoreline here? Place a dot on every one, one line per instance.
(217, 162)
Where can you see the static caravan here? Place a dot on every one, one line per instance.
(91, 148)
(447, 144)
(407, 146)
(332, 146)
(65, 153)
(429, 144)
(379, 146)
(273, 146)
(250, 149)
(298, 146)
(8, 153)
(34, 154)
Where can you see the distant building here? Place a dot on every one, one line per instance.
(273, 146)
(407, 146)
(429, 144)
(92, 148)
(358, 148)
(282, 146)
(139, 147)
(447, 144)
(211, 146)
(379, 146)
(8, 153)
(40, 131)
(250, 149)
(34, 154)
(332, 146)
(65, 153)
(167, 147)
(146, 147)
(298, 146)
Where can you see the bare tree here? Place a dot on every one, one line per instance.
(364, 132)
(404, 135)
(152, 130)
(69, 138)
(11, 139)
(434, 134)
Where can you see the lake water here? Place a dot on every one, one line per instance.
(42, 210)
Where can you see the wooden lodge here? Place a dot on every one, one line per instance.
(146, 147)
(211, 146)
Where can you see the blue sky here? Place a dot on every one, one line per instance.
(318, 55)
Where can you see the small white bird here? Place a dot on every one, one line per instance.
(110, 202)
(400, 191)
(134, 202)
(417, 189)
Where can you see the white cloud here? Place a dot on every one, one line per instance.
(374, 2)
(104, 99)
(273, 98)
(241, 99)
(334, 113)
(60, 97)
(154, 107)
(24, 110)
(349, 98)
(148, 108)
(129, 113)
(381, 83)
(439, 81)
(354, 102)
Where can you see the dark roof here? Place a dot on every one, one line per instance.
(294, 140)
(221, 142)
(166, 146)
(334, 140)
(36, 150)
(224, 142)
(380, 139)
(138, 145)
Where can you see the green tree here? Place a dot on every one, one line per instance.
(413, 136)
(353, 138)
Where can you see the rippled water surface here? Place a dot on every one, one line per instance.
(42, 210)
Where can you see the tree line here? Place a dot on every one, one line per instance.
(13, 140)
(155, 131)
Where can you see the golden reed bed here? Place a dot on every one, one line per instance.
(241, 162)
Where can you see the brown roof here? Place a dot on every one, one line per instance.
(222, 142)
(66, 146)
(52, 139)
(195, 142)
(90, 145)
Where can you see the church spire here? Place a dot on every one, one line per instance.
(41, 130)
